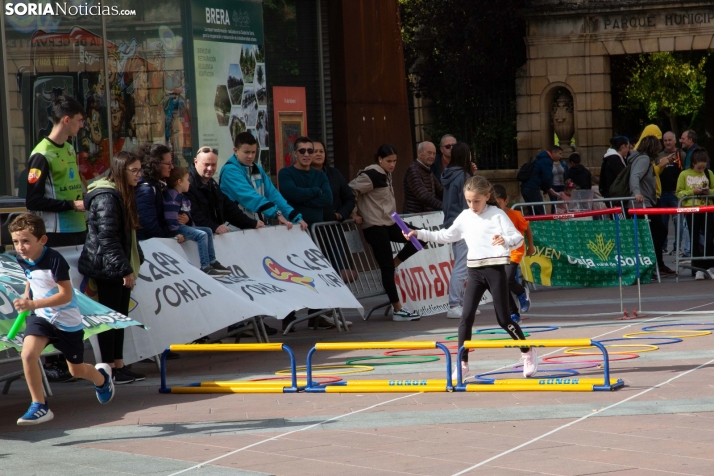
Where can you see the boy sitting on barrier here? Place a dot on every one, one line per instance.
(55, 319)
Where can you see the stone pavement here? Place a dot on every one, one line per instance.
(662, 422)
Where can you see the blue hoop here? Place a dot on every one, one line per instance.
(563, 373)
(672, 340)
(498, 330)
(711, 326)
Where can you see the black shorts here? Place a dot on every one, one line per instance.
(71, 344)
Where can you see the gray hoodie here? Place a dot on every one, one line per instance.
(453, 179)
(642, 179)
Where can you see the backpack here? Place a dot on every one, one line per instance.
(621, 185)
(526, 170)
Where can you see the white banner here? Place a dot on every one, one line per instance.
(275, 271)
(423, 280)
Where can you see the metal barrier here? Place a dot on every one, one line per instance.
(536, 384)
(230, 386)
(576, 205)
(378, 386)
(694, 243)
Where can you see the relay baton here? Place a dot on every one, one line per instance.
(19, 321)
(397, 219)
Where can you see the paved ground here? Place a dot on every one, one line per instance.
(662, 422)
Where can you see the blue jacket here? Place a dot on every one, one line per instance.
(542, 176)
(150, 206)
(453, 179)
(253, 191)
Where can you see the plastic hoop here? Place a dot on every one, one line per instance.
(327, 379)
(684, 336)
(711, 328)
(427, 358)
(564, 373)
(552, 358)
(648, 348)
(672, 340)
(531, 329)
(571, 366)
(349, 369)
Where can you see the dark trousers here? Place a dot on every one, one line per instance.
(554, 198)
(495, 280)
(531, 195)
(659, 233)
(115, 296)
(701, 224)
(380, 238)
(514, 287)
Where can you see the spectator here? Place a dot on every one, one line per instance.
(444, 158)
(643, 185)
(422, 191)
(460, 169)
(305, 189)
(541, 179)
(671, 163)
(112, 255)
(689, 145)
(578, 173)
(560, 169)
(59, 200)
(343, 203)
(613, 163)
(565, 196)
(210, 207)
(697, 180)
(174, 203)
(246, 183)
(375, 204)
(157, 165)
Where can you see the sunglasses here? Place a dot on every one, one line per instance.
(304, 151)
(447, 146)
(206, 150)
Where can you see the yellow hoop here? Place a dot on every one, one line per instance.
(350, 369)
(686, 333)
(648, 348)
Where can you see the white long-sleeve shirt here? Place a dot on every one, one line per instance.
(478, 229)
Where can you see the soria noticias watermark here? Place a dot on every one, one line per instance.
(64, 8)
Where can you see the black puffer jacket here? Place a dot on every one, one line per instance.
(107, 251)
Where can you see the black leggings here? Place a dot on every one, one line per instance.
(492, 278)
(380, 238)
(514, 287)
(115, 296)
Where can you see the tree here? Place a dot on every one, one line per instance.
(460, 54)
(662, 83)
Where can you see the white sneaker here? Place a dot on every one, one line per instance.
(699, 275)
(455, 312)
(530, 362)
(404, 315)
(464, 371)
(478, 311)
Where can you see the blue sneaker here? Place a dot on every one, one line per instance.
(524, 302)
(105, 393)
(516, 318)
(36, 414)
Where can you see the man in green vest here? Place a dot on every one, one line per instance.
(54, 186)
(55, 191)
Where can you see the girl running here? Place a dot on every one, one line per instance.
(490, 236)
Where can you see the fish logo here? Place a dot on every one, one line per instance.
(280, 273)
(34, 175)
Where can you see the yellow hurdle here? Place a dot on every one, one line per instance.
(510, 344)
(226, 347)
(227, 390)
(374, 345)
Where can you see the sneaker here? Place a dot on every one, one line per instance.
(219, 267)
(57, 373)
(464, 371)
(404, 314)
(530, 362)
(454, 312)
(524, 302)
(36, 414)
(516, 318)
(135, 375)
(665, 270)
(320, 323)
(478, 311)
(105, 393)
(213, 272)
(120, 378)
(699, 275)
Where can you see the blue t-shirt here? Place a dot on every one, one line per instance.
(43, 275)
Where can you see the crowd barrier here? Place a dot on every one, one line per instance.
(694, 244)
(228, 386)
(576, 205)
